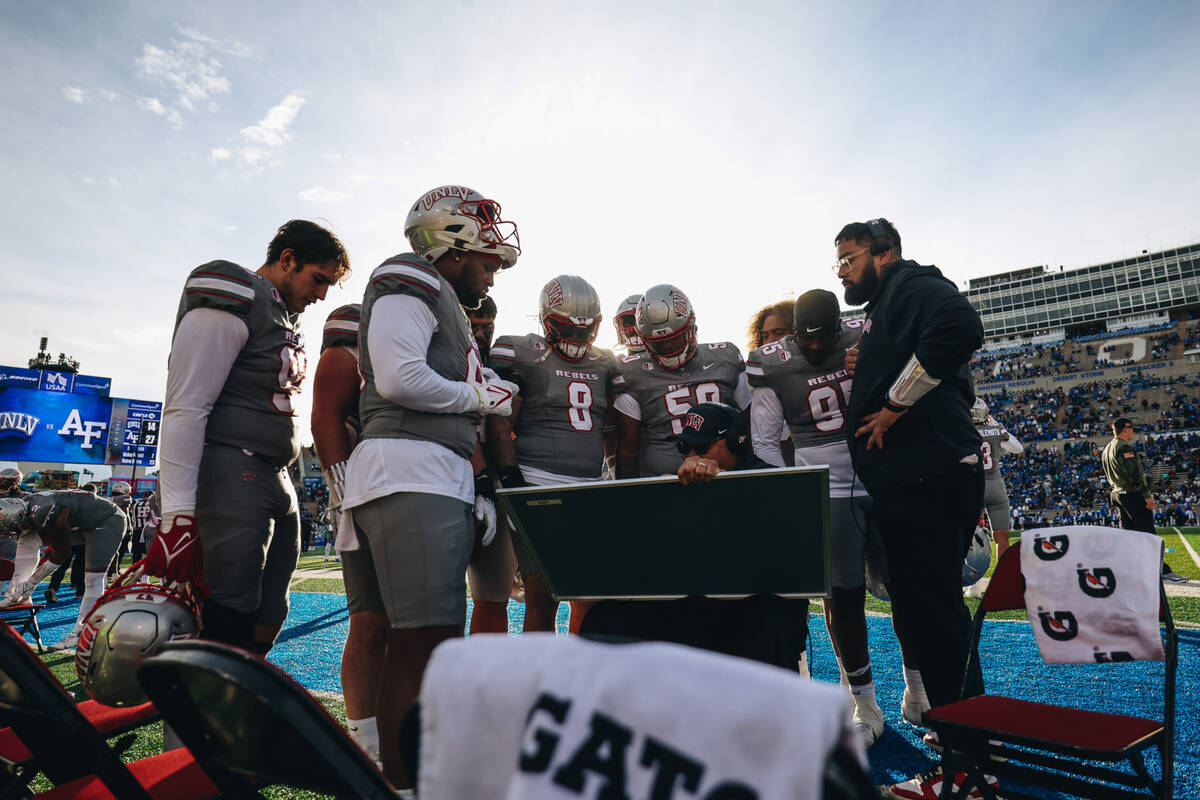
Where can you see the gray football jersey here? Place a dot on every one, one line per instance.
(452, 354)
(994, 435)
(665, 395)
(562, 404)
(814, 397)
(254, 410)
(85, 511)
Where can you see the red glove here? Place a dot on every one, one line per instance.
(175, 554)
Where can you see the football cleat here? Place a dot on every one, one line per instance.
(914, 705)
(868, 720)
(928, 786)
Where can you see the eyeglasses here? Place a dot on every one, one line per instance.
(687, 447)
(847, 260)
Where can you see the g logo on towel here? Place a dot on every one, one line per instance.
(1060, 626)
(1098, 582)
(1051, 548)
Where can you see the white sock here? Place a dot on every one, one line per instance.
(27, 557)
(860, 690)
(912, 679)
(802, 665)
(93, 587)
(365, 734)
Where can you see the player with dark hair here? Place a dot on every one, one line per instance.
(800, 384)
(556, 432)
(656, 388)
(229, 512)
(483, 326)
(913, 445)
(416, 479)
(1130, 489)
(771, 323)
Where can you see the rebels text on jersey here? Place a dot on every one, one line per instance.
(563, 403)
(664, 396)
(254, 410)
(814, 396)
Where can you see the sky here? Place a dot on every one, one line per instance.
(718, 146)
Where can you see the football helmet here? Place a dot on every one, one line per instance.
(979, 411)
(121, 488)
(10, 480)
(626, 324)
(458, 218)
(667, 325)
(130, 623)
(570, 312)
(14, 516)
(979, 556)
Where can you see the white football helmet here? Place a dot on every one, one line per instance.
(122, 488)
(458, 218)
(10, 480)
(667, 325)
(130, 623)
(979, 557)
(979, 411)
(626, 322)
(570, 312)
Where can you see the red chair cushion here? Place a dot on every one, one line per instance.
(12, 748)
(1052, 725)
(173, 775)
(108, 718)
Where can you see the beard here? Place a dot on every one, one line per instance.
(860, 292)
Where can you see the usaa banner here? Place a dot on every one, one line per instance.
(75, 428)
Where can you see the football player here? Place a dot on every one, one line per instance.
(10, 482)
(996, 440)
(65, 516)
(229, 432)
(800, 384)
(483, 326)
(625, 321)
(335, 431)
(657, 387)
(417, 474)
(557, 426)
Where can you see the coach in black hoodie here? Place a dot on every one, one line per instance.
(912, 441)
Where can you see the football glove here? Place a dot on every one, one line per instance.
(175, 554)
(485, 506)
(495, 396)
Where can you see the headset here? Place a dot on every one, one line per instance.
(878, 228)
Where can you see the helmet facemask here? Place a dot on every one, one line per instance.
(672, 350)
(572, 337)
(459, 218)
(496, 235)
(627, 332)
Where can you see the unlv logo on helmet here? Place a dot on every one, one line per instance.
(1098, 582)
(680, 304)
(1060, 626)
(1051, 548)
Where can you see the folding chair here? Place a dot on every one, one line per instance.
(25, 616)
(1047, 745)
(252, 726)
(49, 733)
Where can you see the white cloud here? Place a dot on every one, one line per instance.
(189, 67)
(234, 48)
(109, 95)
(360, 179)
(74, 94)
(228, 229)
(153, 105)
(319, 194)
(332, 156)
(272, 129)
(89, 180)
(219, 154)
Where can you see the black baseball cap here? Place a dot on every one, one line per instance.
(817, 313)
(704, 423)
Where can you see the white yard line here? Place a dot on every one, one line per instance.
(1187, 546)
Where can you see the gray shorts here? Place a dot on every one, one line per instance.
(249, 527)
(419, 545)
(995, 500)
(491, 570)
(855, 542)
(102, 542)
(358, 572)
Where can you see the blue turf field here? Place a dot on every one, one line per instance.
(310, 649)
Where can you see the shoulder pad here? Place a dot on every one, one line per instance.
(727, 351)
(222, 285)
(341, 327)
(43, 511)
(761, 357)
(503, 353)
(408, 274)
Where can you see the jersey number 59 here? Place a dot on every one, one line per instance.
(680, 401)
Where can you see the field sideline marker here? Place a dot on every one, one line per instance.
(1187, 546)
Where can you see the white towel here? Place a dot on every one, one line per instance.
(541, 716)
(1093, 593)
